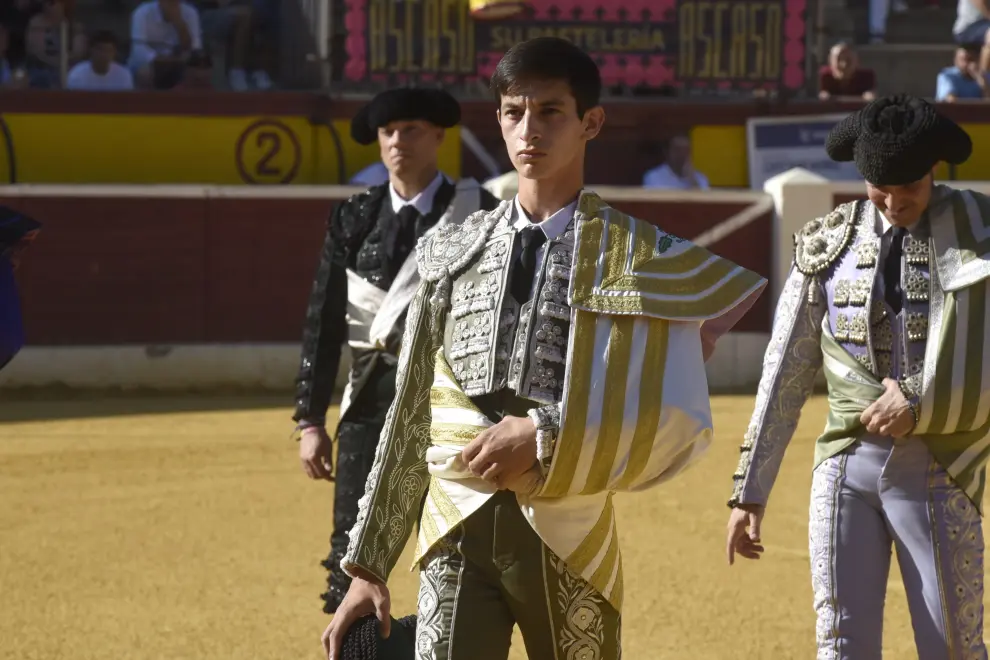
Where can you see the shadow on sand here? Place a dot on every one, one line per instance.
(60, 403)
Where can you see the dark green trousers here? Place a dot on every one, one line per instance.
(493, 572)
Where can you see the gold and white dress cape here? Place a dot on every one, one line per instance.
(635, 408)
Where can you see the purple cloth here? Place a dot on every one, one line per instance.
(16, 231)
(11, 326)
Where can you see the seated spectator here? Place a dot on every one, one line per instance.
(44, 44)
(843, 76)
(166, 44)
(10, 77)
(15, 16)
(677, 171)
(879, 10)
(963, 80)
(972, 22)
(100, 72)
(229, 28)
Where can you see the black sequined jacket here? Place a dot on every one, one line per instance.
(353, 224)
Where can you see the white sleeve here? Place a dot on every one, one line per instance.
(191, 16)
(141, 48)
(76, 78)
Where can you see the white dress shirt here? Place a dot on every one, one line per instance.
(553, 226)
(423, 201)
(82, 76)
(665, 178)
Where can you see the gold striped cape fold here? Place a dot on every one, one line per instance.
(455, 422)
(619, 418)
(955, 401)
(628, 266)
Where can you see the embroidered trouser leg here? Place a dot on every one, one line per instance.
(492, 572)
(356, 444)
(875, 495)
(938, 536)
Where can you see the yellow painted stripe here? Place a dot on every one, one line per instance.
(650, 401)
(592, 544)
(613, 408)
(571, 439)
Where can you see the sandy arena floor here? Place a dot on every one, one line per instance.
(184, 529)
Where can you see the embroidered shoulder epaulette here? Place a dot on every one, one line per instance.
(449, 249)
(820, 242)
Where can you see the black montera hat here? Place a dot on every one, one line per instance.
(433, 105)
(362, 641)
(897, 140)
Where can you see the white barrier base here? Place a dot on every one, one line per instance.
(180, 367)
(735, 365)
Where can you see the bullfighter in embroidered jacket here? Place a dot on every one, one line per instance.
(366, 279)
(553, 355)
(890, 296)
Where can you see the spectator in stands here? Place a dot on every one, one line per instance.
(15, 16)
(963, 80)
(100, 72)
(843, 76)
(10, 76)
(972, 22)
(44, 44)
(677, 171)
(879, 10)
(229, 28)
(166, 43)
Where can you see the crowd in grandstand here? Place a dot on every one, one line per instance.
(231, 44)
(226, 44)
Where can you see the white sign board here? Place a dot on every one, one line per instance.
(777, 144)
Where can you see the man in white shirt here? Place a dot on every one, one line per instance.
(164, 33)
(100, 72)
(677, 172)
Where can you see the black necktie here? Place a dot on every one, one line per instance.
(530, 238)
(405, 232)
(892, 270)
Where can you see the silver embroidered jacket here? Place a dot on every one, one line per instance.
(832, 314)
(610, 350)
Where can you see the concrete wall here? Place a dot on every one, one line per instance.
(188, 287)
